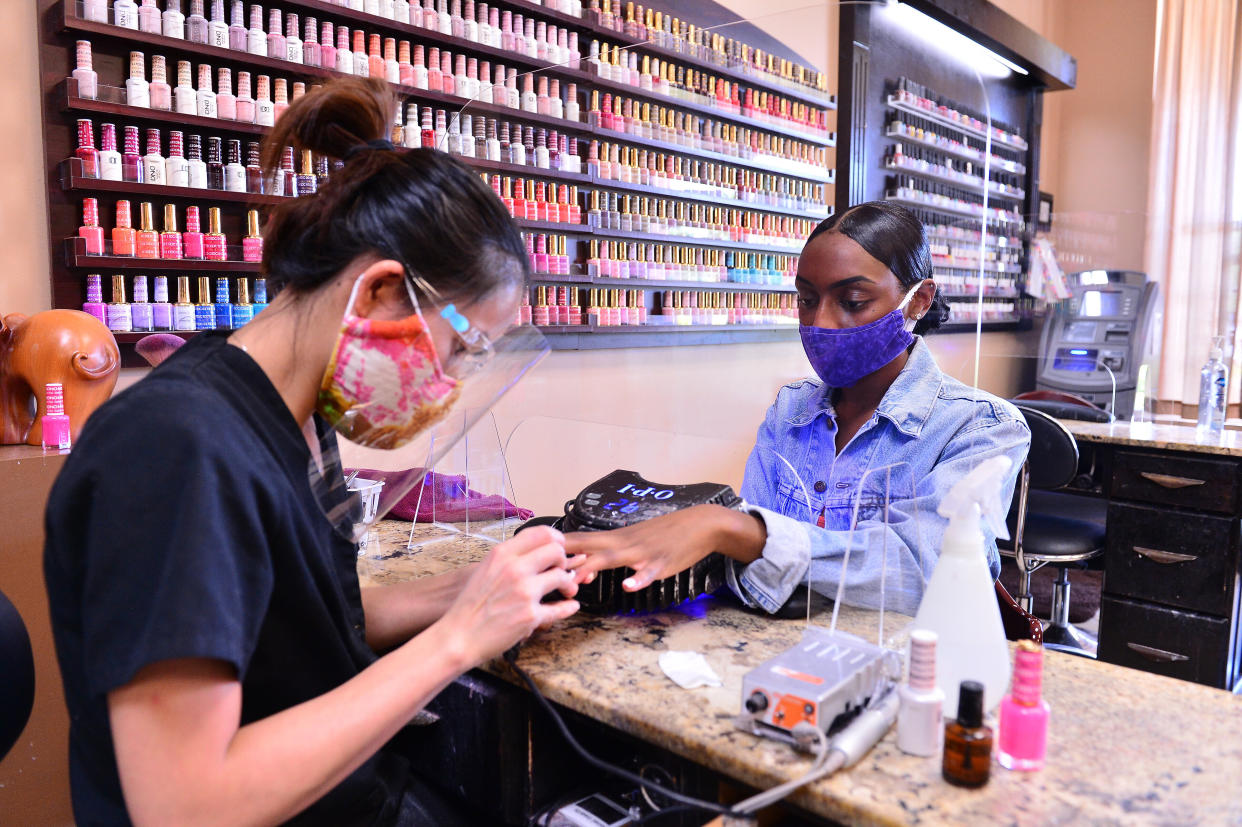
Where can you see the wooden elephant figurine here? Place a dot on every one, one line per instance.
(65, 346)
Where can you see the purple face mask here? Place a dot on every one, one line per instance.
(842, 357)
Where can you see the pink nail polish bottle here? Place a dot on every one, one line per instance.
(90, 229)
(226, 104)
(244, 106)
(327, 46)
(84, 73)
(1023, 737)
(192, 238)
(275, 38)
(86, 148)
(54, 422)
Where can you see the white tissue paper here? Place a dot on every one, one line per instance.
(689, 670)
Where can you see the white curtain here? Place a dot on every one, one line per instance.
(1195, 196)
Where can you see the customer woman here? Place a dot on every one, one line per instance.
(865, 297)
(217, 653)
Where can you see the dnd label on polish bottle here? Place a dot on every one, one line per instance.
(204, 311)
(967, 742)
(94, 303)
(183, 312)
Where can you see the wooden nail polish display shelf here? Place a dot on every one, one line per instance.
(764, 177)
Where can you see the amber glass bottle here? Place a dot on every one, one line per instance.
(967, 742)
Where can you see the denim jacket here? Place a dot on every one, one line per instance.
(936, 427)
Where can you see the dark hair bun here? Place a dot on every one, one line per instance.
(333, 119)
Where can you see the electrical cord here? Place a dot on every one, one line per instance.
(667, 811)
(689, 801)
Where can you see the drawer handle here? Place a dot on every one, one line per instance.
(1166, 557)
(1166, 481)
(1160, 655)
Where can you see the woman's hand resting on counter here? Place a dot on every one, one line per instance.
(500, 604)
(665, 545)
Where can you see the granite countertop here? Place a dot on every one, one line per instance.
(1155, 435)
(1125, 747)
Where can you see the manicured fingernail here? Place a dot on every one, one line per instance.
(629, 583)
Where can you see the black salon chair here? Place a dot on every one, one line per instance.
(1052, 529)
(17, 676)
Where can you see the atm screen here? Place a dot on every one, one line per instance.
(1101, 303)
(1078, 359)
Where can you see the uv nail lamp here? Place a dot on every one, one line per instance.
(623, 498)
(826, 680)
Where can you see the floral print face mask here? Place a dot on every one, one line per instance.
(384, 384)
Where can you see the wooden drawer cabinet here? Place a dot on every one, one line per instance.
(1166, 641)
(1174, 480)
(1183, 560)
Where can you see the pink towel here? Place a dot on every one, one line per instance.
(446, 498)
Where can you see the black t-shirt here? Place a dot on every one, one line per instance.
(184, 526)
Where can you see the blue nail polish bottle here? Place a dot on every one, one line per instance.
(223, 310)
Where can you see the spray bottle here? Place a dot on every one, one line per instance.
(960, 602)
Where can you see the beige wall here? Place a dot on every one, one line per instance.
(25, 286)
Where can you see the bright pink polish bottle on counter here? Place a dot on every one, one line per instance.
(54, 422)
(1023, 737)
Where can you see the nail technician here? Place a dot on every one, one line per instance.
(218, 655)
(865, 296)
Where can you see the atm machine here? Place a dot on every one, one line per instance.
(1101, 335)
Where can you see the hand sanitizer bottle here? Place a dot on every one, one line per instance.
(960, 602)
(1213, 393)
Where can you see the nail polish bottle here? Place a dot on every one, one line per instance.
(256, 38)
(1022, 738)
(90, 230)
(307, 183)
(223, 308)
(176, 168)
(256, 184)
(173, 20)
(226, 103)
(260, 295)
(158, 91)
(252, 244)
(192, 238)
(275, 35)
(293, 43)
(137, 91)
(500, 95)
(214, 241)
(146, 239)
(237, 25)
(286, 179)
(264, 109)
(362, 61)
(196, 23)
(53, 422)
(344, 56)
(206, 97)
(327, 46)
(391, 68)
(967, 742)
(244, 105)
(183, 312)
(401, 11)
(123, 232)
(117, 311)
(84, 73)
(243, 311)
(153, 162)
(86, 152)
(280, 100)
(170, 239)
(920, 722)
(161, 310)
(184, 100)
(124, 13)
(204, 309)
(140, 310)
(217, 28)
(148, 17)
(312, 55)
(195, 167)
(94, 303)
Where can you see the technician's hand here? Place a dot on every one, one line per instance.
(500, 603)
(663, 546)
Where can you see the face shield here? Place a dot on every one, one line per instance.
(392, 406)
